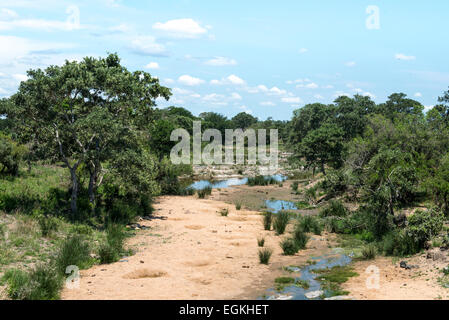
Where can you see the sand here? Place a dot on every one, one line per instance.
(192, 252)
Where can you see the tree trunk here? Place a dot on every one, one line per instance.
(92, 187)
(75, 188)
(322, 168)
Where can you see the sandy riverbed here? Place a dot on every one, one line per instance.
(192, 252)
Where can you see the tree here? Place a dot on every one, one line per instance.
(351, 114)
(398, 105)
(86, 111)
(11, 154)
(308, 118)
(243, 120)
(160, 134)
(323, 146)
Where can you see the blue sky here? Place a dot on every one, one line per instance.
(267, 58)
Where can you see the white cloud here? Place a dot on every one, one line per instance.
(351, 64)
(277, 91)
(235, 80)
(418, 94)
(181, 91)
(400, 56)
(213, 97)
(292, 100)
(152, 65)
(169, 81)
(121, 28)
(318, 96)
(181, 28)
(236, 96)
(245, 109)
(267, 104)
(20, 77)
(190, 81)
(303, 50)
(147, 45)
(311, 85)
(72, 22)
(7, 14)
(221, 61)
(230, 80)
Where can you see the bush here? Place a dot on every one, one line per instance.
(265, 255)
(423, 225)
(74, 251)
(238, 205)
(112, 250)
(267, 220)
(310, 224)
(289, 247)
(261, 242)
(224, 212)
(42, 283)
(334, 209)
(10, 155)
(300, 238)
(280, 222)
(369, 252)
(48, 224)
(295, 186)
(204, 192)
(261, 181)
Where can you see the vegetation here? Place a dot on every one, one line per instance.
(261, 242)
(265, 255)
(280, 222)
(267, 220)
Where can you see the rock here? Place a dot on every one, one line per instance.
(314, 294)
(340, 298)
(404, 265)
(280, 297)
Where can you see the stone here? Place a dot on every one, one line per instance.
(340, 298)
(314, 294)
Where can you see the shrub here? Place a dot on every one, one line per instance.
(48, 224)
(267, 220)
(265, 255)
(261, 181)
(289, 247)
(311, 195)
(295, 186)
(369, 252)
(261, 242)
(10, 155)
(334, 209)
(300, 238)
(74, 251)
(423, 225)
(202, 193)
(112, 250)
(42, 283)
(280, 222)
(224, 212)
(238, 205)
(310, 224)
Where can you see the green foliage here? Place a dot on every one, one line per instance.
(310, 224)
(265, 255)
(280, 222)
(238, 206)
(224, 212)
(369, 252)
(47, 224)
(267, 220)
(300, 237)
(74, 251)
(261, 242)
(423, 225)
(261, 181)
(243, 120)
(203, 193)
(42, 283)
(11, 154)
(289, 247)
(334, 209)
(295, 186)
(112, 249)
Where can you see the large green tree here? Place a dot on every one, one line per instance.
(86, 112)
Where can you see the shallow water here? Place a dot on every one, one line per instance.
(296, 293)
(280, 205)
(223, 184)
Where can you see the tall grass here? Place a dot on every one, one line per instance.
(265, 255)
(310, 224)
(289, 247)
(203, 193)
(267, 220)
(300, 238)
(74, 251)
(280, 222)
(261, 181)
(112, 249)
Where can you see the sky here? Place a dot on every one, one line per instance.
(266, 58)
